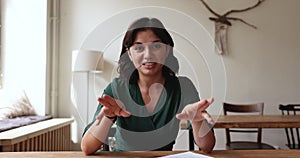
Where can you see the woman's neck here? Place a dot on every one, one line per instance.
(146, 82)
(151, 88)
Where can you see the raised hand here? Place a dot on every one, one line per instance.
(196, 111)
(113, 107)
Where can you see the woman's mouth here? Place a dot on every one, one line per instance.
(149, 65)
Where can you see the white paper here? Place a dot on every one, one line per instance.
(186, 154)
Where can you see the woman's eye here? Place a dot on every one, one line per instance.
(156, 45)
(139, 48)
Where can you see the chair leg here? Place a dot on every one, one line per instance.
(191, 139)
(293, 138)
(288, 138)
(298, 136)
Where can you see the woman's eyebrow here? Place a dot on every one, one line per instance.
(147, 42)
(137, 43)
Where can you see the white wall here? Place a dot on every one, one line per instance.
(262, 64)
(24, 50)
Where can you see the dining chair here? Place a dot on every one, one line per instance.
(292, 134)
(231, 109)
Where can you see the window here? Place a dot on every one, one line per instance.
(1, 74)
(24, 49)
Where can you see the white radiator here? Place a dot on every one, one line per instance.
(50, 135)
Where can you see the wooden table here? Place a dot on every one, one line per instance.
(216, 154)
(254, 121)
(249, 121)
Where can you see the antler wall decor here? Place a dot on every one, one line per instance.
(221, 25)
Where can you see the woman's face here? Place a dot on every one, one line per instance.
(148, 53)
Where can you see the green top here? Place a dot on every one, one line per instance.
(145, 131)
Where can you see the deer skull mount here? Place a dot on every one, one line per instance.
(222, 22)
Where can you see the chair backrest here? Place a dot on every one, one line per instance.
(256, 108)
(292, 134)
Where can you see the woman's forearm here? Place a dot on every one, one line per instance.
(204, 136)
(96, 135)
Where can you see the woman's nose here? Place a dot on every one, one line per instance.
(148, 53)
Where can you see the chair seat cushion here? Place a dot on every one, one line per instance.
(241, 145)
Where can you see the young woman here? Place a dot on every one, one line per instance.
(147, 101)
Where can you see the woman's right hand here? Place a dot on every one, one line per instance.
(113, 107)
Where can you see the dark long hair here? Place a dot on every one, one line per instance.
(126, 68)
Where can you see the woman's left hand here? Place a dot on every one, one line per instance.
(196, 111)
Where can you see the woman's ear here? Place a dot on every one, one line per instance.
(129, 54)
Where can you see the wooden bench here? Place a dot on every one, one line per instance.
(48, 135)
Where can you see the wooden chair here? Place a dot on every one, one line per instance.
(292, 134)
(244, 109)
